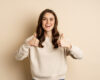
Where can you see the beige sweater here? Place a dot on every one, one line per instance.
(47, 63)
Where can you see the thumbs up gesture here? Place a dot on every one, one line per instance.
(34, 41)
(62, 42)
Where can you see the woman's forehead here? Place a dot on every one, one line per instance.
(48, 15)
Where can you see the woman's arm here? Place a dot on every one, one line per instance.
(23, 51)
(75, 52)
(69, 48)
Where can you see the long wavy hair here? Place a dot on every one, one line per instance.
(40, 30)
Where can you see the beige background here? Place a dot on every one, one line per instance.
(79, 20)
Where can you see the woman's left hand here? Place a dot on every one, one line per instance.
(62, 42)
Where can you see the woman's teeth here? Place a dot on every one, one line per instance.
(47, 25)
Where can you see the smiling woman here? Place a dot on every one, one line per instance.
(48, 22)
(47, 26)
(47, 49)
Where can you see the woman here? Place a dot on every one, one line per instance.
(47, 49)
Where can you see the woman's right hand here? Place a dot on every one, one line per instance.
(34, 41)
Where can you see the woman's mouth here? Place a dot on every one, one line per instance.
(48, 26)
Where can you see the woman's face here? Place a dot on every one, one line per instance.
(48, 21)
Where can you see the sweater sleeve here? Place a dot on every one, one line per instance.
(76, 52)
(23, 51)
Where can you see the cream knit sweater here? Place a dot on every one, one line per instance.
(47, 63)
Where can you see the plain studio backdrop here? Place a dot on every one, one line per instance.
(79, 20)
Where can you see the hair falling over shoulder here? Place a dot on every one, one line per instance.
(40, 30)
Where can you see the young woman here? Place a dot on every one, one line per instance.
(47, 49)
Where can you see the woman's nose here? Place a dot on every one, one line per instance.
(48, 21)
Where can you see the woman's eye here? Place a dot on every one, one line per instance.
(43, 19)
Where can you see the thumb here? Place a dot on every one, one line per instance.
(34, 34)
(61, 36)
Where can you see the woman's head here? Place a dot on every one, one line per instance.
(47, 22)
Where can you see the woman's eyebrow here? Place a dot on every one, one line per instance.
(44, 17)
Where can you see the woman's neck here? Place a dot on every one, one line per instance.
(48, 34)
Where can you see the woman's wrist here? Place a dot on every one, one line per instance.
(69, 47)
(28, 43)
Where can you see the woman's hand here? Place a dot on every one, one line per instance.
(34, 41)
(62, 42)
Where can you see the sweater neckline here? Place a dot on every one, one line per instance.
(48, 39)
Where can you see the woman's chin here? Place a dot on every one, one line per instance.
(48, 30)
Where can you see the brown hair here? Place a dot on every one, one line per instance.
(40, 30)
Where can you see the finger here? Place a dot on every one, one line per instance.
(61, 36)
(35, 44)
(34, 40)
(34, 34)
(59, 44)
(58, 41)
(37, 41)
